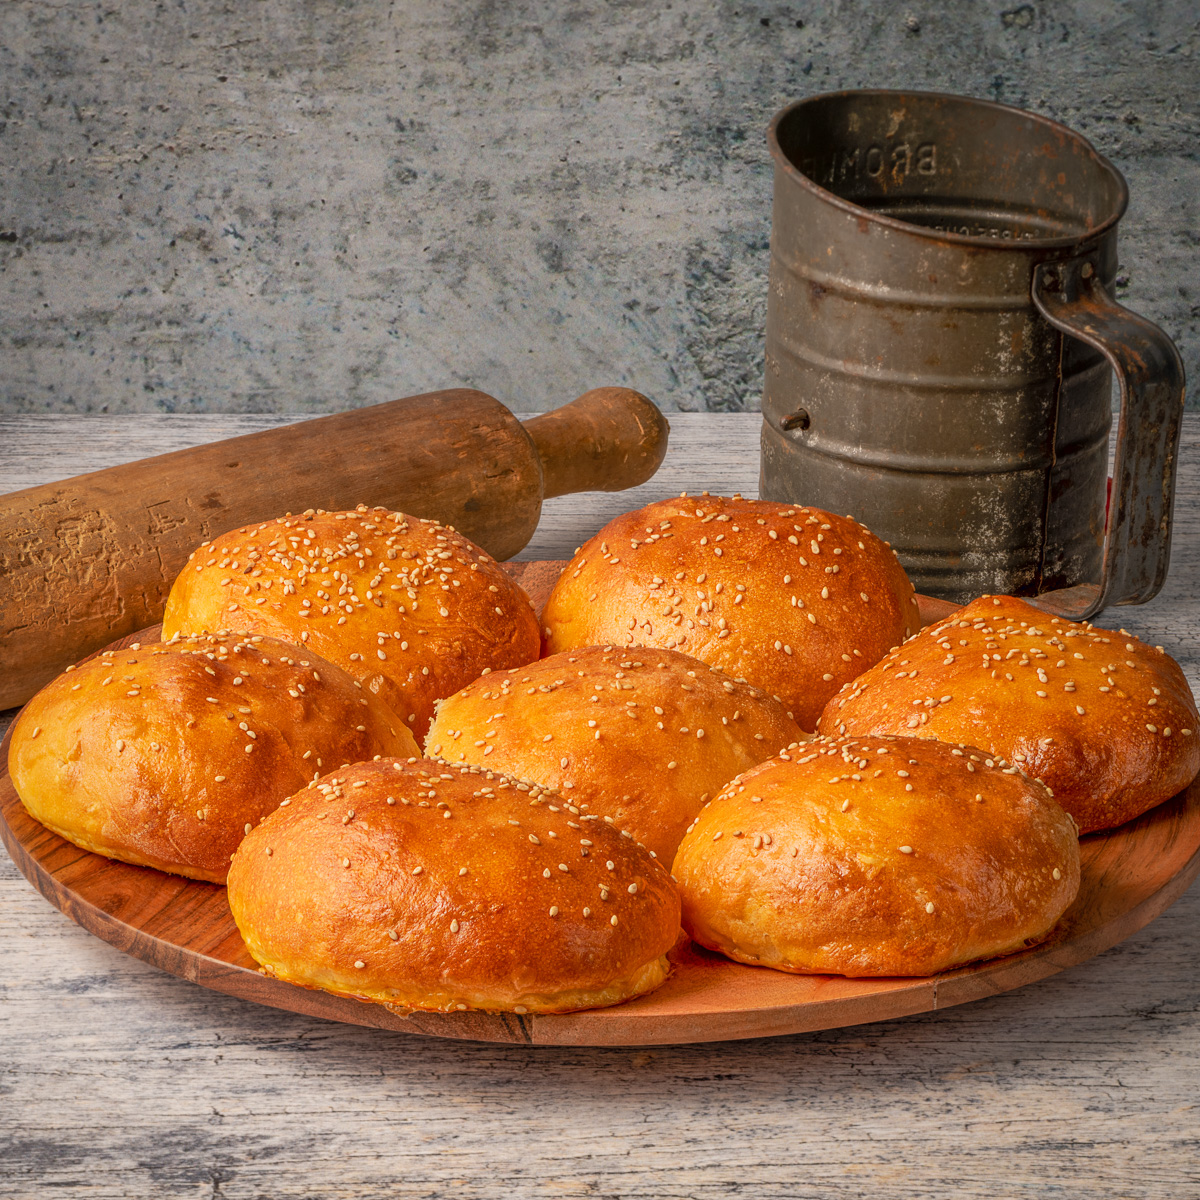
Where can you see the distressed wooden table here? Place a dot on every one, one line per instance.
(120, 1081)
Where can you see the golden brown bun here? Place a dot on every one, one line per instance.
(410, 607)
(1105, 721)
(821, 861)
(738, 584)
(643, 737)
(424, 885)
(163, 755)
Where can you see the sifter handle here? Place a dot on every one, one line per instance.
(1137, 531)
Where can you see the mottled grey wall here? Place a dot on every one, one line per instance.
(272, 206)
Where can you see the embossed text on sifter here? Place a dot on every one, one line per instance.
(941, 342)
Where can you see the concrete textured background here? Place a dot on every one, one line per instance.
(261, 206)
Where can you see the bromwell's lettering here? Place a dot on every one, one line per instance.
(896, 160)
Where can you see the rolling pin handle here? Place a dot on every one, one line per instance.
(610, 439)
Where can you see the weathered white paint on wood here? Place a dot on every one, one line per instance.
(120, 1081)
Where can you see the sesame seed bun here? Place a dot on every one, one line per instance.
(795, 600)
(643, 737)
(1105, 721)
(410, 607)
(875, 857)
(428, 886)
(163, 755)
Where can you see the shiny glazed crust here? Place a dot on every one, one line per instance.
(1105, 721)
(795, 600)
(642, 736)
(423, 885)
(410, 607)
(823, 861)
(164, 754)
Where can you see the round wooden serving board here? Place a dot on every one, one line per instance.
(1130, 875)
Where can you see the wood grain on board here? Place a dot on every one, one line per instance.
(1129, 876)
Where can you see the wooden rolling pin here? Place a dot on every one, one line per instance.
(91, 559)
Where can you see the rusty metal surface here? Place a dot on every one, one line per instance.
(911, 380)
(1137, 546)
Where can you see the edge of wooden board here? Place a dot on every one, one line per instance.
(182, 926)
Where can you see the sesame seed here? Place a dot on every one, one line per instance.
(1056, 873)
(613, 919)
(359, 964)
(554, 910)
(929, 907)
(906, 849)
